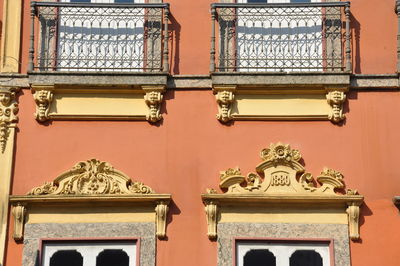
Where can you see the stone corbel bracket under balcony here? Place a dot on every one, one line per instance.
(280, 96)
(98, 96)
(92, 191)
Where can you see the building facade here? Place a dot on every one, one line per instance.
(199, 132)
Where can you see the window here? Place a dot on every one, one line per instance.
(282, 253)
(85, 253)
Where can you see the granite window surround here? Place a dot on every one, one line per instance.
(143, 232)
(230, 232)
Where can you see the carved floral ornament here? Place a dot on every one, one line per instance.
(284, 180)
(8, 114)
(96, 180)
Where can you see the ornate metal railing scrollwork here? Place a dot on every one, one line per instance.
(99, 37)
(281, 37)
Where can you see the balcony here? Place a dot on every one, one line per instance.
(280, 49)
(92, 48)
(100, 37)
(286, 37)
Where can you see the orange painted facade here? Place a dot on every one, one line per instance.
(184, 153)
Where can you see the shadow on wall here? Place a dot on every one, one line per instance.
(175, 35)
(173, 210)
(364, 211)
(355, 26)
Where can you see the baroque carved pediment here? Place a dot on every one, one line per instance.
(282, 174)
(281, 178)
(88, 184)
(92, 177)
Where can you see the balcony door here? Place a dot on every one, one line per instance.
(95, 38)
(279, 38)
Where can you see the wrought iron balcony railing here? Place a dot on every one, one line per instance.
(99, 37)
(280, 37)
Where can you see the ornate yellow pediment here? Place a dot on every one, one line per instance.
(92, 177)
(280, 179)
(92, 183)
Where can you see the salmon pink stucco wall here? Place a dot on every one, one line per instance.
(184, 154)
(374, 30)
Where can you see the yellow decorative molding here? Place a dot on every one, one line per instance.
(259, 103)
(74, 213)
(297, 213)
(153, 99)
(161, 219)
(55, 102)
(8, 114)
(8, 124)
(11, 33)
(43, 99)
(353, 211)
(225, 96)
(335, 100)
(212, 216)
(281, 179)
(18, 212)
(87, 185)
(91, 177)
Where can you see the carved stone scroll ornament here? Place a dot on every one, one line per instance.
(225, 99)
(353, 212)
(284, 176)
(8, 114)
(43, 99)
(161, 219)
(153, 100)
(91, 177)
(335, 100)
(212, 216)
(18, 211)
